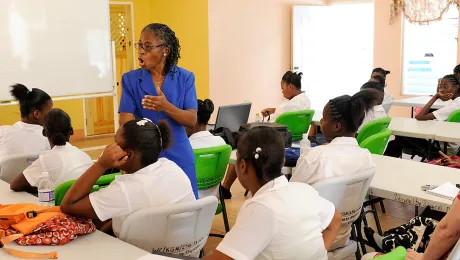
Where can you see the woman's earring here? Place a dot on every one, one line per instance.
(164, 54)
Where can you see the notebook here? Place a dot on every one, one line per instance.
(446, 190)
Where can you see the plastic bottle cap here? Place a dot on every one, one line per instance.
(305, 136)
(45, 175)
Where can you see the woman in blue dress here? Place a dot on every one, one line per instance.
(162, 90)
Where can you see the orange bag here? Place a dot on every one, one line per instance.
(30, 224)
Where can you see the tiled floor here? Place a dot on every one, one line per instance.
(396, 213)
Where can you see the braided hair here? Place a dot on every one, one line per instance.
(293, 78)
(170, 41)
(351, 110)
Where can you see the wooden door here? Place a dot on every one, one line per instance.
(99, 111)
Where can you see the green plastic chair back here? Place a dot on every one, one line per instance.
(398, 253)
(61, 190)
(296, 122)
(454, 117)
(211, 164)
(377, 143)
(372, 128)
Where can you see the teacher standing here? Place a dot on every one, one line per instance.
(162, 90)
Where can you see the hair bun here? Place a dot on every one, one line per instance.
(208, 106)
(19, 92)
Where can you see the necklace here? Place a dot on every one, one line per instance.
(159, 81)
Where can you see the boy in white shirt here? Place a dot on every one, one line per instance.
(342, 156)
(296, 100)
(34, 105)
(282, 220)
(201, 138)
(388, 97)
(148, 181)
(64, 162)
(377, 111)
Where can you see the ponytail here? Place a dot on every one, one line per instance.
(294, 78)
(57, 127)
(205, 110)
(29, 100)
(350, 111)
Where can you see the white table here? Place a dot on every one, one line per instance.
(401, 180)
(448, 132)
(93, 246)
(418, 102)
(317, 118)
(410, 127)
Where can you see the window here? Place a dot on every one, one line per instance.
(430, 52)
(334, 48)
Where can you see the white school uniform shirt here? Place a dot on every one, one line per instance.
(387, 97)
(282, 221)
(443, 114)
(377, 112)
(22, 138)
(298, 103)
(159, 184)
(205, 139)
(342, 156)
(63, 163)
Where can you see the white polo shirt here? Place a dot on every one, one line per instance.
(443, 113)
(22, 138)
(159, 184)
(298, 103)
(205, 139)
(342, 156)
(387, 97)
(282, 221)
(377, 112)
(63, 163)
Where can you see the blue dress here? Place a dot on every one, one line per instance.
(179, 91)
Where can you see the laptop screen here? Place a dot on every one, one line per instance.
(234, 116)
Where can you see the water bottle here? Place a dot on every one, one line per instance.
(304, 144)
(258, 118)
(46, 190)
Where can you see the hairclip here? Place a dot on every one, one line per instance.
(161, 139)
(256, 154)
(143, 121)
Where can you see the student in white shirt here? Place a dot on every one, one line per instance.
(449, 89)
(388, 97)
(33, 105)
(296, 99)
(201, 138)
(148, 181)
(283, 220)
(64, 162)
(342, 156)
(377, 111)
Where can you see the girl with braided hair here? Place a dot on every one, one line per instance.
(342, 156)
(162, 90)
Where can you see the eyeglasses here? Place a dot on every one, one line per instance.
(147, 47)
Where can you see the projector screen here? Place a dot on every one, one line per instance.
(61, 47)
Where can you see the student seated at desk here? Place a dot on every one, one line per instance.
(201, 138)
(26, 136)
(282, 220)
(64, 162)
(342, 156)
(449, 89)
(148, 181)
(388, 97)
(296, 100)
(377, 111)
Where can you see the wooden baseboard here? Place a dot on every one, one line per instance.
(78, 134)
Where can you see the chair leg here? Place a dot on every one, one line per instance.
(416, 210)
(358, 231)
(354, 237)
(382, 206)
(412, 157)
(376, 218)
(201, 253)
(246, 193)
(224, 210)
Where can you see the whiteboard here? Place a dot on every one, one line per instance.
(60, 46)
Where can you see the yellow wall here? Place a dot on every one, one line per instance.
(189, 19)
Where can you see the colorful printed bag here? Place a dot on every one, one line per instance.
(30, 224)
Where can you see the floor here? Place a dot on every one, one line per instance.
(396, 213)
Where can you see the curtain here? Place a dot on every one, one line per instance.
(421, 11)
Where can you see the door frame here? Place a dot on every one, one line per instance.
(114, 72)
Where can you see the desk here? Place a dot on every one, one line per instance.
(410, 127)
(93, 246)
(420, 101)
(317, 118)
(401, 180)
(448, 132)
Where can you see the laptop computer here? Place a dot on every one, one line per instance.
(233, 116)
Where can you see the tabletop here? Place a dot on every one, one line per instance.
(96, 245)
(410, 127)
(419, 101)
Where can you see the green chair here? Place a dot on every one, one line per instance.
(454, 117)
(297, 122)
(377, 143)
(398, 253)
(211, 165)
(61, 190)
(372, 128)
